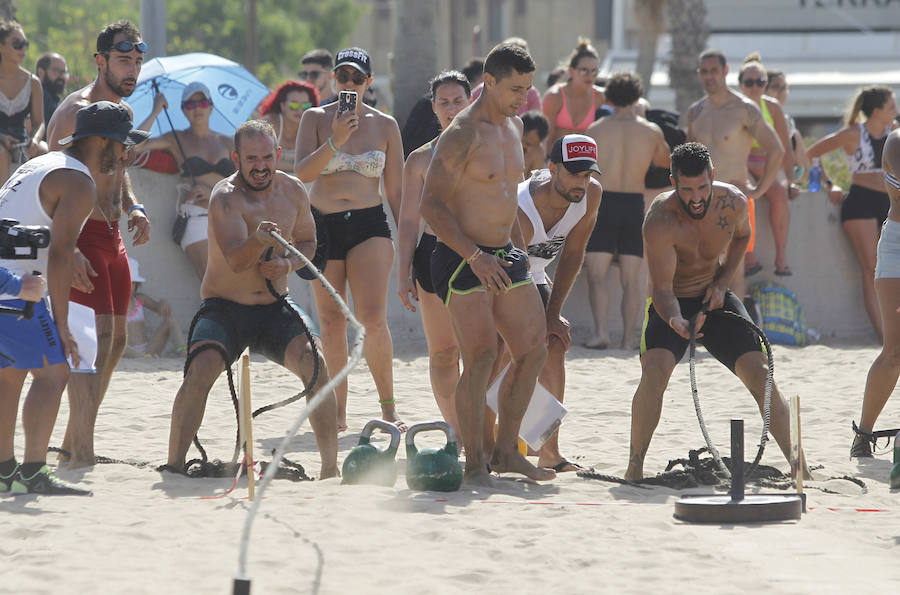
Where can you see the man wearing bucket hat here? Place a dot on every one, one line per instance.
(55, 190)
(120, 53)
(557, 211)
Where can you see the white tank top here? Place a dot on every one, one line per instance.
(20, 199)
(546, 243)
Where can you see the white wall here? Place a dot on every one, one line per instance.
(826, 276)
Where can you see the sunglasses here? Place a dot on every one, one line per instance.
(127, 46)
(751, 82)
(311, 75)
(344, 77)
(295, 105)
(19, 44)
(584, 70)
(204, 103)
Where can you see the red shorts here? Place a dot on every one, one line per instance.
(105, 251)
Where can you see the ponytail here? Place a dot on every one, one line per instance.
(867, 100)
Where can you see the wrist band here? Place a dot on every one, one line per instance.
(134, 208)
(331, 144)
(474, 256)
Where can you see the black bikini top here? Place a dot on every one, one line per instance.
(198, 166)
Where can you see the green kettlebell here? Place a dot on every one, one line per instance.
(436, 469)
(367, 463)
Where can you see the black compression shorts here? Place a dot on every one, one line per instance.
(348, 229)
(422, 262)
(863, 203)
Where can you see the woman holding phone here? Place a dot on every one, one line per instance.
(345, 150)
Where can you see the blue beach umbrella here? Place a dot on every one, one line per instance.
(235, 92)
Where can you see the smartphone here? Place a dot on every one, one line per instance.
(347, 101)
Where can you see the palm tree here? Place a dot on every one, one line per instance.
(415, 54)
(650, 20)
(689, 30)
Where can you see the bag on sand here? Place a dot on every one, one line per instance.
(782, 317)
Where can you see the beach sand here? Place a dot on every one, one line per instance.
(146, 532)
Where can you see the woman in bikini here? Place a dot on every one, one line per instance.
(203, 157)
(449, 95)
(571, 106)
(21, 97)
(346, 156)
(752, 80)
(283, 110)
(865, 208)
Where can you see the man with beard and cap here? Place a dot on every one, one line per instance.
(246, 274)
(557, 213)
(52, 70)
(120, 53)
(694, 238)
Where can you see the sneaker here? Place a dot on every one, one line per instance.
(6, 481)
(861, 448)
(44, 483)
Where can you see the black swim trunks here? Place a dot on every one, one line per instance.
(618, 226)
(265, 329)
(725, 338)
(451, 274)
(422, 262)
(544, 290)
(863, 203)
(348, 229)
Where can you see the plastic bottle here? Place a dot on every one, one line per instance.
(815, 176)
(895, 470)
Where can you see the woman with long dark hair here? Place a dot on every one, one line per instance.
(21, 97)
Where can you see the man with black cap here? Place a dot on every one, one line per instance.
(557, 211)
(469, 200)
(120, 53)
(55, 190)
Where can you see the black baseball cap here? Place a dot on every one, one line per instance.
(358, 58)
(106, 119)
(576, 152)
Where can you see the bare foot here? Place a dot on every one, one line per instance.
(327, 472)
(634, 475)
(597, 343)
(514, 462)
(389, 414)
(477, 475)
(76, 461)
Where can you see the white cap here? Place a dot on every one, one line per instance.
(135, 271)
(195, 87)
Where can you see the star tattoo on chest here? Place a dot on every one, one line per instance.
(723, 222)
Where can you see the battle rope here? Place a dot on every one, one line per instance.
(767, 401)
(321, 395)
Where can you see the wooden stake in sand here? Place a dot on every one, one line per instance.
(797, 462)
(245, 421)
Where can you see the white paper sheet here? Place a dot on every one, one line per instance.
(543, 416)
(83, 326)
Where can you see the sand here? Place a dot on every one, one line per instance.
(140, 533)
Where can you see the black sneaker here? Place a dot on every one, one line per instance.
(6, 481)
(44, 483)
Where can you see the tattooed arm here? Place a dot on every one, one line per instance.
(734, 216)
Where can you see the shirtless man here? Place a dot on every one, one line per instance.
(557, 211)
(686, 233)
(244, 209)
(626, 146)
(728, 123)
(469, 200)
(56, 190)
(120, 53)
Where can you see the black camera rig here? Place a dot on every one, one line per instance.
(21, 242)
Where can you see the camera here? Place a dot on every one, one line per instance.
(21, 242)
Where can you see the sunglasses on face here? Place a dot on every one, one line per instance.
(296, 105)
(19, 44)
(345, 76)
(127, 46)
(204, 103)
(311, 75)
(585, 70)
(751, 82)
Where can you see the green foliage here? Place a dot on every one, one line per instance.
(287, 29)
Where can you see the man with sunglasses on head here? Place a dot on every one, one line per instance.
(316, 70)
(104, 265)
(727, 122)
